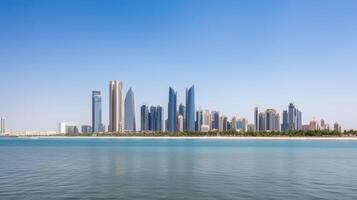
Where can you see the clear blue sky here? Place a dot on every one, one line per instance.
(238, 54)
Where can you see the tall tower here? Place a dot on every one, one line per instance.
(172, 111)
(256, 119)
(190, 109)
(97, 125)
(129, 111)
(2, 125)
(144, 118)
(116, 111)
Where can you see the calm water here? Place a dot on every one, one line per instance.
(177, 169)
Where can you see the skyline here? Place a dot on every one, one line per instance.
(239, 55)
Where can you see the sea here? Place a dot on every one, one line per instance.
(150, 169)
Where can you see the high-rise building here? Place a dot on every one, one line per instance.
(180, 123)
(159, 119)
(234, 124)
(207, 121)
(2, 126)
(199, 120)
(97, 125)
(152, 118)
(256, 119)
(225, 124)
(129, 111)
(262, 122)
(172, 111)
(144, 118)
(272, 120)
(295, 118)
(221, 123)
(285, 124)
(337, 127)
(190, 109)
(215, 120)
(67, 128)
(182, 111)
(86, 129)
(116, 110)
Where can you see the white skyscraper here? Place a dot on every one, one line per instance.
(116, 106)
(2, 126)
(180, 123)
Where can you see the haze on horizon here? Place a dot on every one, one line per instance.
(238, 54)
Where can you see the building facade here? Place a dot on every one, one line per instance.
(129, 112)
(116, 106)
(97, 125)
(190, 109)
(172, 111)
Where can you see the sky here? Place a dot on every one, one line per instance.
(238, 54)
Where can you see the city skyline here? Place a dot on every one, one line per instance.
(238, 54)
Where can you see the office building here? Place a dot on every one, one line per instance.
(116, 106)
(190, 109)
(207, 121)
(97, 125)
(262, 122)
(182, 111)
(272, 120)
(285, 124)
(234, 124)
(129, 111)
(2, 126)
(294, 117)
(180, 123)
(215, 120)
(67, 128)
(144, 118)
(172, 111)
(199, 120)
(256, 118)
(337, 127)
(86, 129)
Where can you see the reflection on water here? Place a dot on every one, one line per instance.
(177, 169)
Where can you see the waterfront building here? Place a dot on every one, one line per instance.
(215, 120)
(180, 123)
(272, 120)
(152, 118)
(144, 118)
(285, 124)
(199, 120)
(234, 123)
(190, 109)
(221, 123)
(295, 118)
(262, 121)
(251, 127)
(256, 119)
(116, 110)
(86, 129)
(2, 126)
(67, 128)
(172, 111)
(129, 112)
(337, 127)
(207, 121)
(97, 125)
(182, 111)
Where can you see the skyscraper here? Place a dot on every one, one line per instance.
(116, 111)
(172, 111)
(285, 124)
(199, 119)
(272, 120)
(152, 118)
(180, 123)
(262, 122)
(2, 125)
(295, 118)
(129, 111)
(159, 119)
(97, 125)
(190, 109)
(215, 120)
(182, 111)
(207, 121)
(234, 124)
(144, 119)
(256, 119)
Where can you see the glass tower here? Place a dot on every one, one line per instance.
(97, 125)
(172, 111)
(129, 111)
(190, 109)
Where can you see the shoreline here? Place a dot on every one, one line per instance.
(193, 138)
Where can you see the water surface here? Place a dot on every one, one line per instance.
(177, 169)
